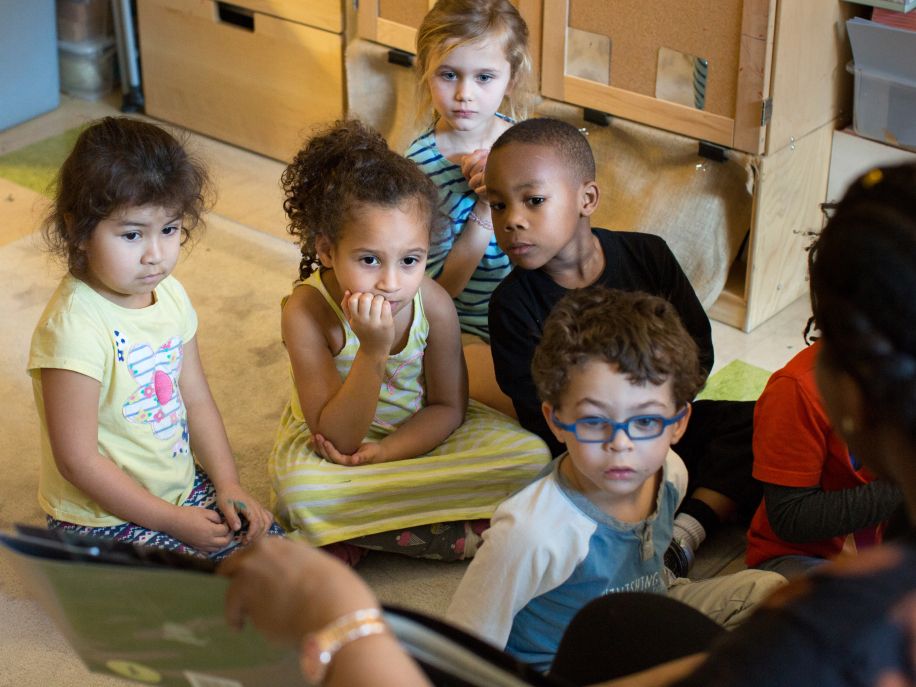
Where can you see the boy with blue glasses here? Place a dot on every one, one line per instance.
(615, 372)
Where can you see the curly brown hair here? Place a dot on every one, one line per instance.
(343, 166)
(641, 335)
(116, 163)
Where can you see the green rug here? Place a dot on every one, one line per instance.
(35, 166)
(737, 381)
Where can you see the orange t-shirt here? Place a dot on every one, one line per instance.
(795, 446)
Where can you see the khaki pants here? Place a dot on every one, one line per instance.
(727, 599)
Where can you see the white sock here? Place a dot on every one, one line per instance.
(688, 531)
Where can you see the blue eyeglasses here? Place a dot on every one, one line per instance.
(598, 430)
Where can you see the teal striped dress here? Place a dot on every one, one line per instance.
(456, 200)
(481, 463)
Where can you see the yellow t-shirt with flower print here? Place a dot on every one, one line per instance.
(135, 355)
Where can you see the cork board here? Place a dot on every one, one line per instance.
(637, 29)
(407, 12)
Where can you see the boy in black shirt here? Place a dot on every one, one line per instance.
(540, 179)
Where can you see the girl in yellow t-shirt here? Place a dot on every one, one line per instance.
(126, 412)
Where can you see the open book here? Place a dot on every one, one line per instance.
(156, 617)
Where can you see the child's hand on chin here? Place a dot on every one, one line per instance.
(371, 320)
(200, 528)
(369, 452)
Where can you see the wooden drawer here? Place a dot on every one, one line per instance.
(774, 72)
(322, 14)
(252, 79)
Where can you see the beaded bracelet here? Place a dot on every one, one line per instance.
(318, 648)
(486, 224)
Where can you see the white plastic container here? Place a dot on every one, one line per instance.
(885, 109)
(87, 67)
(885, 68)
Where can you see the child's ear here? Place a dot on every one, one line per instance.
(588, 194)
(681, 425)
(325, 250)
(547, 410)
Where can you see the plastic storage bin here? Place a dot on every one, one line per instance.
(885, 68)
(28, 60)
(87, 68)
(885, 109)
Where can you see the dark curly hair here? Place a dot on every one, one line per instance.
(641, 334)
(564, 139)
(342, 167)
(863, 291)
(118, 162)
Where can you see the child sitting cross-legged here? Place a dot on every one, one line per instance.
(615, 372)
(378, 447)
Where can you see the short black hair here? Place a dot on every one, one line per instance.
(564, 139)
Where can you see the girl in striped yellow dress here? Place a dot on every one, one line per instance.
(378, 446)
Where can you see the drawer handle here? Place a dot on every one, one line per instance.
(235, 15)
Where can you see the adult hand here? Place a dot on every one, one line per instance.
(371, 320)
(235, 502)
(473, 166)
(369, 452)
(200, 528)
(289, 589)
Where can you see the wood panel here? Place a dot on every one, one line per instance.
(322, 14)
(703, 28)
(809, 86)
(407, 12)
(791, 184)
(648, 110)
(258, 89)
(757, 29)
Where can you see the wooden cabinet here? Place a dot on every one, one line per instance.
(774, 68)
(770, 76)
(255, 73)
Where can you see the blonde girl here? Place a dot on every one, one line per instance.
(472, 70)
(125, 409)
(378, 439)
